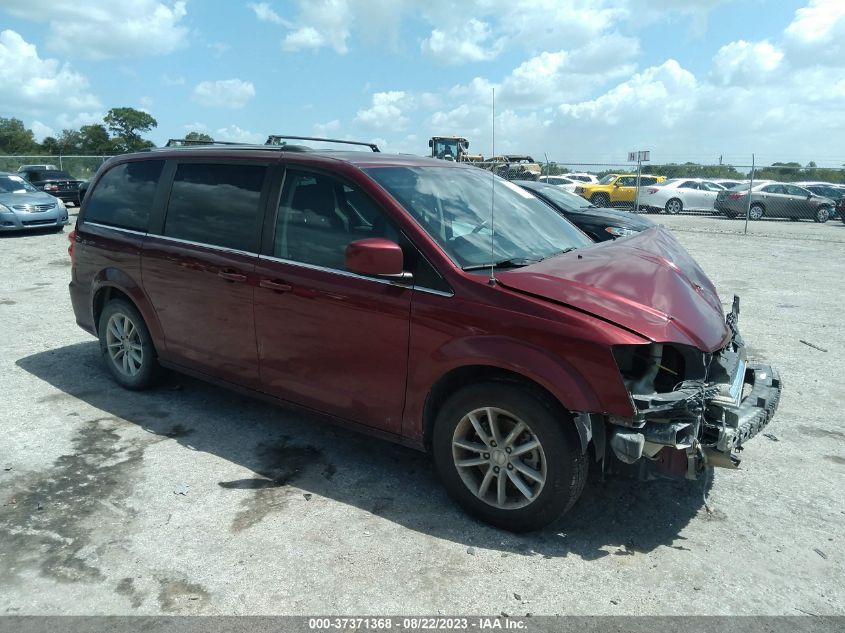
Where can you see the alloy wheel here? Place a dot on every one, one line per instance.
(673, 207)
(499, 458)
(123, 342)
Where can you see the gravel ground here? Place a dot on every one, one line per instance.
(285, 514)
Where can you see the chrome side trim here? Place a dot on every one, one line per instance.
(346, 273)
(214, 247)
(113, 228)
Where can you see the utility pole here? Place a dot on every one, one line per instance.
(639, 156)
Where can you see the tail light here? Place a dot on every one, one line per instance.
(652, 190)
(737, 195)
(71, 237)
(51, 187)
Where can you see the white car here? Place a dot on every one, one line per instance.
(581, 177)
(680, 194)
(560, 181)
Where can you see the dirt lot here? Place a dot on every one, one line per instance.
(285, 514)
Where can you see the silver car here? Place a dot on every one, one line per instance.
(774, 200)
(22, 206)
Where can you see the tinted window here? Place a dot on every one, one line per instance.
(216, 205)
(53, 174)
(124, 195)
(773, 189)
(689, 184)
(792, 190)
(629, 181)
(646, 180)
(319, 216)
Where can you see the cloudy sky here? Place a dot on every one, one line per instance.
(576, 80)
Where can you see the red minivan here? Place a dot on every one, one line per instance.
(427, 302)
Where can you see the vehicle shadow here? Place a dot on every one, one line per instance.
(289, 452)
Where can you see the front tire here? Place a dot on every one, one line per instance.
(600, 200)
(127, 347)
(508, 456)
(674, 206)
(756, 212)
(822, 215)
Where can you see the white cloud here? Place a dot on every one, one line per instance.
(817, 34)
(387, 111)
(93, 30)
(224, 93)
(265, 13)
(41, 131)
(326, 129)
(237, 134)
(305, 37)
(470, 41)
(746, 62)
(79, 119)
(321, 23)
(38, 85)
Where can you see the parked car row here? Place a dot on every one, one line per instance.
(51, 179)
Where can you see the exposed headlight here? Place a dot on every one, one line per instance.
(5, 209)
(618, 231)
(61, 202)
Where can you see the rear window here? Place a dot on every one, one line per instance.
(52, 174)
(123, 197)
(216, 205)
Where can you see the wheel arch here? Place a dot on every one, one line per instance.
(111, 283)
(459, 377)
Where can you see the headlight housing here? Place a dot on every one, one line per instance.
(618, 231)
(4, 209)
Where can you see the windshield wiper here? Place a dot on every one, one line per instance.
(515, 262)
(556, 253)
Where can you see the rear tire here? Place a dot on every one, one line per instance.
(481, 468)
(127, 347)
(674, 206)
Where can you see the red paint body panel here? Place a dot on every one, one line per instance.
(207, 317)
(374, 256)
(370, 351)
(336, 343)
(647, 283)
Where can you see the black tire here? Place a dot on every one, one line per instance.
(757, 210)
(600, 200)
(148, 369)
(674, 206)
(565, 465)
(822, 215)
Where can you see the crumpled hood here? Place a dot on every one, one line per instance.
(647, 283)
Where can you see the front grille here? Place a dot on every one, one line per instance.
(38, 222)
(34, 208)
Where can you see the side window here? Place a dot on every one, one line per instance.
(216, 204)
(627, 181)
(792, 190)
(124, 195)
(644, 180)
(319, 216)
(773, 189)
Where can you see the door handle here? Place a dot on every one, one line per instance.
(278, 286)
(230, 276)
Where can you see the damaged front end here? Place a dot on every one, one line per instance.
(693, 409)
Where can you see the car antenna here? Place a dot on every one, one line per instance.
(492, 280)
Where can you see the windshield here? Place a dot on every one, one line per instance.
(454, 207)
(15, 184)
(444, 148)
(606, 180)
(560, 197)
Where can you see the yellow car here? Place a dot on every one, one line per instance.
(616, 189)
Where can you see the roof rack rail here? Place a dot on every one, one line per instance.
(182, 142)
(278, 139)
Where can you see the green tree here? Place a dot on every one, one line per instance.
(50, 145)
(200, 137)
(70, 142)
(15, 138)
(95, 140)
(127, 125)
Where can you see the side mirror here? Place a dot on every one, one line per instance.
(616, 184)
(375, 256)
(429, 142)
(809, 195)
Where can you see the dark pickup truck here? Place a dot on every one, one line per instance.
(56, 182)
